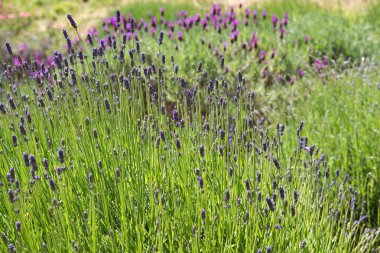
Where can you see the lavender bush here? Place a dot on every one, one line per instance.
(112, 147)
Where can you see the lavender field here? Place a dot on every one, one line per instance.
(189, 127)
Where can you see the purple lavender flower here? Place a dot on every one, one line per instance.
(180, 36)
(203, 214)
(61, 156)
(221, 62)
(199, 67)
(276, 163)
(282, 192)
(9, 48)
(247, 185)
(319, 161)
(118, 17)
(72, 21)
(274, 21)
(264, 14)
(202, 150)
(52, 184)
(295, 195)
(11, 248)
(227, 196)
(160, 37)
(293, 210)
(14, 140)
(258, 176)
(300, 73)
(274, 184)
(270, 203)
(307, 39)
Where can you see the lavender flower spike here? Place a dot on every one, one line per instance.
(9, 49)
(72, 21)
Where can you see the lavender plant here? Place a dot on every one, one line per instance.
(99, 154)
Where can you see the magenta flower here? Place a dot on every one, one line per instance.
(255, 43)
(307, 39)
(183, 13)
(204, 23)
(325, 61)
(113, 21)
(272, 55)
(247, 13)
(22, 47)
(300, 73)
(264, 14)
(180, 36)
(16, 61)
(93, 31)
(274, 21)
(264, 73)
(170, 34)
(171, 25)
(162, 11)
(234, 25)
(263, 55)
(153, 21)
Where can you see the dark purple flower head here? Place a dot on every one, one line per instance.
(276, 163)
(258, 176)
(52, 184)
(295, 195)
(65, 34)
(227, 196)
(270, 203)
(293, 210)
(180, 36)
(9, 49)
(118, 17)
(201, 150)
(199, 67)
(14, 140)
(282, 192)
(247, 185)
(160, 37)
(61, 156)
(72, 21)
(203, 214)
